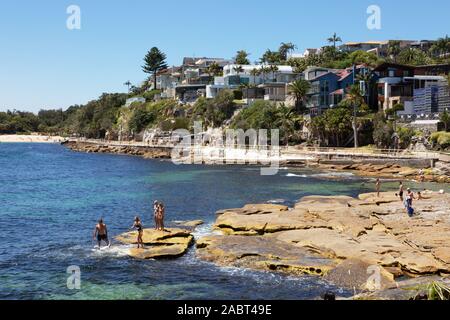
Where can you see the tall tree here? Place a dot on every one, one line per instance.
(255, 72)
(242, 57)
(334, 39)
(155, 61)
(441, 47)
(128, 84)
(271, 57)
(445, 118)
(238, 69)
(274, 69)
(355, 100)
(285, 49)
(299, 90)
(394, 49)
(214, 70)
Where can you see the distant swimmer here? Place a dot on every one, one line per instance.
(101, 232)
(138, 226)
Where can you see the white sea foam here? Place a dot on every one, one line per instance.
(276, 201)
(203, 230)
(113, 251)
(296, 175)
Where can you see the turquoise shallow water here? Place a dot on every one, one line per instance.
(50, 199)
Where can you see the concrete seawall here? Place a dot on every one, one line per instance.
(365, 163)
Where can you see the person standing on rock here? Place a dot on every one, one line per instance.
(138, 226)
(161, 214)
(409, 203)
(155, 213)
(378, 187)
(401, 191)
(101, 232)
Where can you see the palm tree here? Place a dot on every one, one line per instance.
(445, 118)
(271, 57)
(242, 57)
(442, 46)
(255, 72)
(274, 69)
(299, 90)
(238, 69)
(285, 49)
(394, 49)
(285, 122)
(356, 100)
(128, 84)
(214, 70)
(264, 71)
(334, 39)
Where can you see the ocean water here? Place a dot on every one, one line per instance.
(51, 198)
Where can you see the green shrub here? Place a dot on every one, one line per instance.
(441, 138)
(150, 95)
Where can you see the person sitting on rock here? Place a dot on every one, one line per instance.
(138, 226)
(101, 232)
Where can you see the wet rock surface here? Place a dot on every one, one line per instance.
(171, 243)
(146, 152)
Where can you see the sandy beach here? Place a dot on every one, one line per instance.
(30, 139)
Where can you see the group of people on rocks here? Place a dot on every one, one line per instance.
(101, 231)
(407, 197)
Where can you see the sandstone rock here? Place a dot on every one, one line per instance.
(262, 253)
(158, 244)
(360, 276)
(159, 252)
(152, 236)
(373, 231)
(190, 224)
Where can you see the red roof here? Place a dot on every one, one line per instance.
(338, 91)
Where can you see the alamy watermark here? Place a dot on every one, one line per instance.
(74, 278)
(73, 21)
(228, 147)
(374, 19)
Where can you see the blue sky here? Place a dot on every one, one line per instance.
(45, 65)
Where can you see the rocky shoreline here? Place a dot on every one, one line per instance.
(385, 169)
(388, 170)
(367, 244)
(342, 239)
(148, 153)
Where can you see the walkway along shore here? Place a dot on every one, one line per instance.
(373, 163)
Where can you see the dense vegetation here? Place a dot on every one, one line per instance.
(336, 127)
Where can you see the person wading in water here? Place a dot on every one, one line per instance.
(101, 232)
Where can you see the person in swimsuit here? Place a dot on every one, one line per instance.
(161, 213)
(401, 191)
(155, 213)
(138, 227)
(101, 233)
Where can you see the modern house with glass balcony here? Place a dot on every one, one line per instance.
(273, 82)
